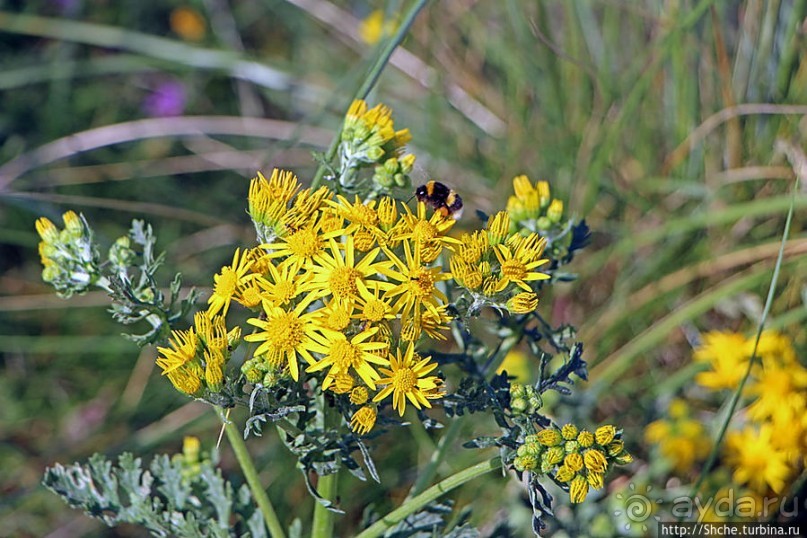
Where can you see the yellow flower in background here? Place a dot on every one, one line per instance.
(407, 379)
(780, 393)
(341, 355)
(517, 364)
(755, 459)
(373, 27)
(227, 282)
(681, 440)
(726, 355)
(774, 348)
(188, 24)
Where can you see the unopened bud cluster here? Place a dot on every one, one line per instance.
(69, 258)
(532, 207)
(369, 138)
(524, 399)
(578, 458)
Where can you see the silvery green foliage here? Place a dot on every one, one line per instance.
(134, 290)
(167, 499)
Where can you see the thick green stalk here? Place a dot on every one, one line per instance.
(448, 438)
(370, 80)
(251, 475)
(322, 526)
(435, 492)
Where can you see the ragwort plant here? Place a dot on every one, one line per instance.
(360, 307)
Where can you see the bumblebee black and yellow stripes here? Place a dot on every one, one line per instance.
(442, 198)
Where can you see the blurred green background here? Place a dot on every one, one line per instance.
(656, 120)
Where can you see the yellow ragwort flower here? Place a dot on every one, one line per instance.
(498, 227)
(727, 357)
(341, 355)
(519, 258)
(371, 305)
(285, 334)
(755, 459)
(180, 351)
(578, 489)
(227, 281)
(522, 303)
(407, 379)
(417, 284)
(424, 232)
(282, 283)
(337, 272)
(595, 461)
(357, 213)
(300, 246)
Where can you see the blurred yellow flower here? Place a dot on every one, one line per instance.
(726, 354)
(682, 440)
(517, 364)
(755, 459)
(188, 24)
(374, 27)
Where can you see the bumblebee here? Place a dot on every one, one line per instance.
(443, 199)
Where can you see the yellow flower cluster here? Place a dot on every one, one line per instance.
(681, 439)
(343, 289)
(195, 359)
(578, 458)
(496, 266)
(532, 206)
(770, 450)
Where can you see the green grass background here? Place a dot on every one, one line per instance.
(656, 120)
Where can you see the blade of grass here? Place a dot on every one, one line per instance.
(627, 246)
(176, 52)
(131, 131)
(607, 371)
(612, 316)
(735, 398)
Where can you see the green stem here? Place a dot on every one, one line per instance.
(437, 457)
(438, 490)
(456, 425)
(322, 526)
(251, 475)
(370, 80)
